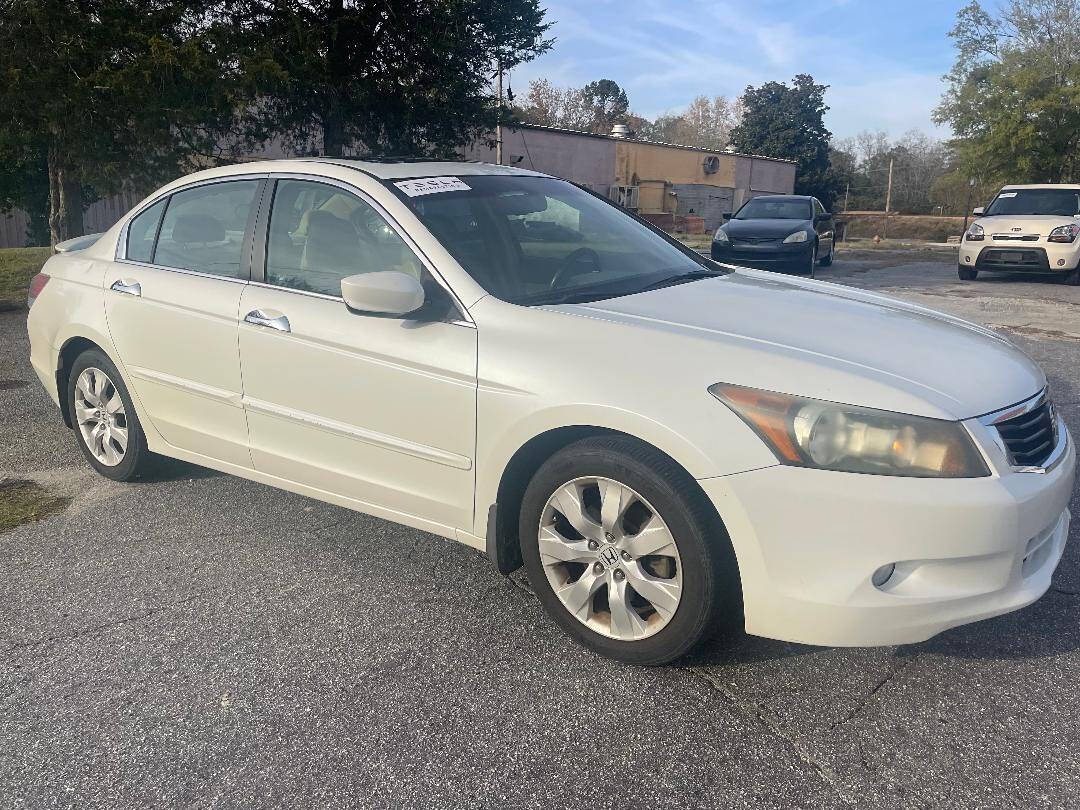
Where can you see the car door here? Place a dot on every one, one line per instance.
(380, 410)
(823, 224)
(171, 301)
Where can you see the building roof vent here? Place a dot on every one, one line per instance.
(621, 131)
(711, 164)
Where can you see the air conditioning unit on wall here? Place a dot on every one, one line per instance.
(626, 196)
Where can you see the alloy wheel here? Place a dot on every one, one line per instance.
(610, 558)
(100, 414)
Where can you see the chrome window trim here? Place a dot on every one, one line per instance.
(991, 420)
(465, 318)
(120, 253)
(181, 270)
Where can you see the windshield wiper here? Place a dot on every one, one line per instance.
(568, 297)
(681, 278)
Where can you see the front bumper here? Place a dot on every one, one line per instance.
(779, 257)
(807, 542)
(1020, 257)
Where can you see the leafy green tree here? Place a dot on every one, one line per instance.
(392, 77)
(108, 92)
(789, 122)
(607, 103)
(1014, 93)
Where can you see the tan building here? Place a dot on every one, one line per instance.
(647, 177)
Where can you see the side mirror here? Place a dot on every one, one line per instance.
(979, 211)
(387, 292)
(728, 216)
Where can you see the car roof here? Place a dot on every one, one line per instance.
(400, 168)
(795, 197)
(1022, 186)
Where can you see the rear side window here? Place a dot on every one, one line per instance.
(141, 233)
(203, 228)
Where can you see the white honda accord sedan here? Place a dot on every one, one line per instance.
(668, 445)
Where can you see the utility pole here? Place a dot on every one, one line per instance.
(888, 199)
(498, 126)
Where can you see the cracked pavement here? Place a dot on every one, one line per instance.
(197, 640)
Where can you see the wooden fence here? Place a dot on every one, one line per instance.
(99, 216)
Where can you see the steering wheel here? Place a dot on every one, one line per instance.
(582, 260)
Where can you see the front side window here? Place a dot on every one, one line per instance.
(533, 240)
(319, 234)
(141, 232)
(203, 228)
(1061, 202)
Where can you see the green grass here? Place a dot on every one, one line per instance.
(25, 501)
(17, 266)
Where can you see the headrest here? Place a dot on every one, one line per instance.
(198, 228)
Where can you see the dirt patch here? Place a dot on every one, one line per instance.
(25, 502)
(12, 385)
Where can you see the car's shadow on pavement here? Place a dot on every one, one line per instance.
(170, 469)
(1049, 628)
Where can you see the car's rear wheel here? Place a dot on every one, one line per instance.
(622, 552)
(104, 419)
(967, 273)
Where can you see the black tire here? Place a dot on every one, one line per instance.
(711, 598)
(827, 261)
(813, 261)
(136, 456)
(967, 273)
(1072, 278)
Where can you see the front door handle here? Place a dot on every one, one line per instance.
(127, 287)
(268, 318)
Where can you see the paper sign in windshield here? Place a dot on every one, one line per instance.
(1007, 194)
(431, 185)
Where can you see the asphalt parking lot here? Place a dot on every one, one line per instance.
(198, 640)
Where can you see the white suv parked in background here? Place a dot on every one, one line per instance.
(507, 360)
(1027, 229)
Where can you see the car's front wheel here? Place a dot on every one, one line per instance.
(1073, 278)
(967, 273)
(624, 554)
(104, 419)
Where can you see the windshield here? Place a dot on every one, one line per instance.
(1061, 202)
(531, 240)
(764, 208)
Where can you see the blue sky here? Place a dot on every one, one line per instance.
(883, 58)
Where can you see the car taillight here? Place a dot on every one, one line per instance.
(37, 284)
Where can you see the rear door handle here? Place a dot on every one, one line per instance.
(127, 287)
(268, 318)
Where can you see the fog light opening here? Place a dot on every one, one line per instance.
(883, 575)
(1061, 262)
(967, 259)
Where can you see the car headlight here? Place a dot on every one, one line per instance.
(798, 236)
(721, 236)
(805, 432)
(1064, 233)
(975, 233)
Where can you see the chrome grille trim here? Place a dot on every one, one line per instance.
(1020, 428)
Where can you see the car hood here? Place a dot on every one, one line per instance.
(1013, 224)
(765, 228)
(827, 341)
